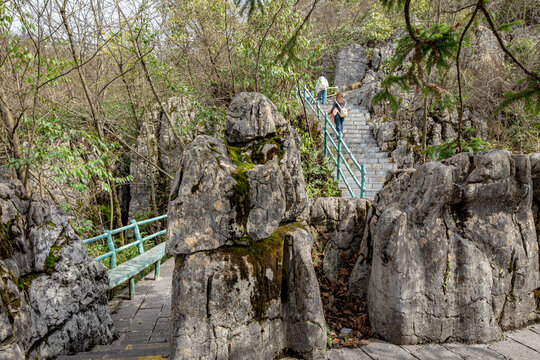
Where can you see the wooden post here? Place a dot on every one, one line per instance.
(131, 288)
(138, 236)
(110, 244)
(158, 269)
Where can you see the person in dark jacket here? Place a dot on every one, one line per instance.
(336, 112)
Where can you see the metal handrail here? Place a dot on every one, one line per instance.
(139, 241)
(313, 104)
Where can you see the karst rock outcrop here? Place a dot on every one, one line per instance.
(52, 295)
(244, 281)
(451, 252)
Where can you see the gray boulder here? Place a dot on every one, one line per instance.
(251, 116)
(451, 252)
(238, 301)
(535, 174)
(225, 194)
(201, 214)
(352, 64)
(53, 295)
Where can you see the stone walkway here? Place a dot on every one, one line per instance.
(143, 326)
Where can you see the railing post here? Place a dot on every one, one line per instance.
(138, 236)
(339, 155)
(110, 244)
(325, 135)
(363, 189)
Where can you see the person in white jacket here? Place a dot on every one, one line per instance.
(320, 87)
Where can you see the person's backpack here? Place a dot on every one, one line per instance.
(324, 83)
(342, 110)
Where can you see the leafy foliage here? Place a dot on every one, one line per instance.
(530, 96)
(377, 26)
(435, 47)
(449, 148)
(317, 170)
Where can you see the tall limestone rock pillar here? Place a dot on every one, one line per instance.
(244, 283)
(451, 251)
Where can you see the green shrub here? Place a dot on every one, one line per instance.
(317, 169)
(377, 26)
(449, 148)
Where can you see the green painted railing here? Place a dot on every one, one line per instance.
(335, 151)
(139, 241)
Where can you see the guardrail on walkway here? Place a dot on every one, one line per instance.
(336, 151)
(139, 241)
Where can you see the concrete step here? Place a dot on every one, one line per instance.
(359, 138)
(369, 178)
(125, 351)
(370, 155)
(365, 150)
(361, 134)
(352, 125)
(380, 166)
(368, 186)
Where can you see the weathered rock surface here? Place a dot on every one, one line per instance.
(244, 282)
(535, 175)
(352, 64)
(223, 191)
(52, 296)
(158, 145)
(451, 253)
(342, 221)
(252, 116)
(239, 301)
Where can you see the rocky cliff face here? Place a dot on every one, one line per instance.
(52, 296)
(451, 251)
(244, 281)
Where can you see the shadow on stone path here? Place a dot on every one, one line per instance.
(143, 325)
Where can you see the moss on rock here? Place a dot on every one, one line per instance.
(6, 240)
(264, 260)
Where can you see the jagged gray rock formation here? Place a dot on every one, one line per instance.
(351, 66)
(535, 175)
(451, 253)
(244, 281)
(52, 295)
(343, 221)
(157, 145)
(239, 301)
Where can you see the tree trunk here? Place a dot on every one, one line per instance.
(13, 137)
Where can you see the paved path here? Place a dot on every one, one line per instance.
(144, 325)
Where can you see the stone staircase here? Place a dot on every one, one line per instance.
(359, 138)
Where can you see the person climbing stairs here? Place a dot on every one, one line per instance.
(359, 138)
